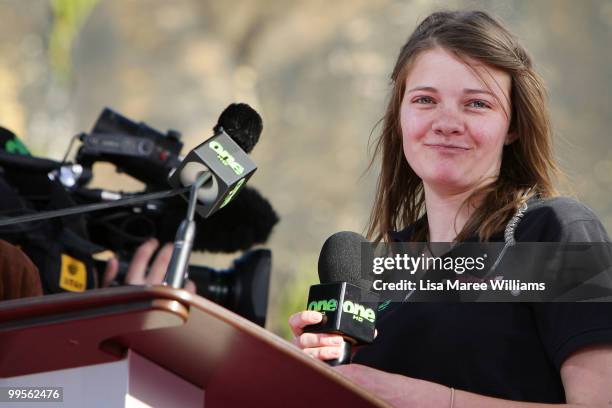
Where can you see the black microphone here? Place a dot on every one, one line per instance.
(215, 171)
(224, 157)
(348, 308)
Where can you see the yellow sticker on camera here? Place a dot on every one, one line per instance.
(73, 276)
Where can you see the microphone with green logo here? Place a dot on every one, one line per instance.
(215, 171)
(223, 157)
(348, 307)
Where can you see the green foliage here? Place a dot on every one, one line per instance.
(68, 18)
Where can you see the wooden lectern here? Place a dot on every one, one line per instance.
(159, 347)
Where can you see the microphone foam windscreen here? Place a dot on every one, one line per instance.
(341, 258)
(242, 123)
(247, 220)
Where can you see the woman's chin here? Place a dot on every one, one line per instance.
(447, 182)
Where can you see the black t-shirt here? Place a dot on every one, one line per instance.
(506, 350)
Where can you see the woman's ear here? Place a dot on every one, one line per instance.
(510, 137)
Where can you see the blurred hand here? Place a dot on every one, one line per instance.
(137, 271)
(321, 346)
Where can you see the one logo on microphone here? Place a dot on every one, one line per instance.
(232, 193)
(359, 312)
(226, 158)
(323, 305)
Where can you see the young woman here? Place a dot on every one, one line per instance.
(466, 142)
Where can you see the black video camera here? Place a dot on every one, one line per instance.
(148, 156)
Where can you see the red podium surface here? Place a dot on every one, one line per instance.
(235, 362)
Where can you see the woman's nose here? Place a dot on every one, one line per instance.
(448, 122)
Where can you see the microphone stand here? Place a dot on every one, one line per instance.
(178, 268)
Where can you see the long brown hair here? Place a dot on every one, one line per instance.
(528, 166)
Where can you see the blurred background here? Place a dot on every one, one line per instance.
(317, 71)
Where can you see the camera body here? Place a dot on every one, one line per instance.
(134, 148)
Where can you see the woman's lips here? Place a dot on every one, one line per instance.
(446, 147)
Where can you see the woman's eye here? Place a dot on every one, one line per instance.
(424, 100)
(478, 104)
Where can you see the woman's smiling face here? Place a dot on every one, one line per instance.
(454, 120)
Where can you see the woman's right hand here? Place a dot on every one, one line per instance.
(322, 346)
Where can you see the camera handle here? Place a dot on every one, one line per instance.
(177, 271)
